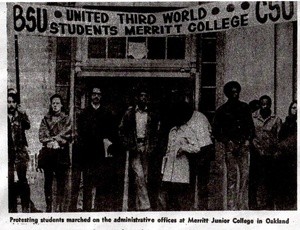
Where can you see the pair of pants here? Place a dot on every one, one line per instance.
(175, 197)
(102, 178)
(266, 180)
(139, 165)
(61, 174)
(76, 178)
(237, 159)
(21, 187)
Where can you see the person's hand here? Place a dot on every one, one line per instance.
(230, 146)
(38, 169)
(55, 145)
(180, 152)
(277, 155)
(247, 143)
(50, 145)
(21, 109)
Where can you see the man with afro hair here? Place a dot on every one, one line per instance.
(233, 130)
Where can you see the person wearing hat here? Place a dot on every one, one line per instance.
(233, 129)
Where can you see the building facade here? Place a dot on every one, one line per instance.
(263, 59)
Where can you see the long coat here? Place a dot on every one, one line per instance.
(190, 137)
(94, 125)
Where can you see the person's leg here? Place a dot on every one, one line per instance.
(62, 182)
(232, 180)
(162, 199)
(76, 178)
(269, 183)
(185, 197)
(103, 185)
(142, 198)
(87, 189)
(203, 180)
(12, 193)
(253, 179)
(21, 169)
(48, 176)
(243, 160)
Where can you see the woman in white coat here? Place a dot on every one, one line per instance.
(190, 134)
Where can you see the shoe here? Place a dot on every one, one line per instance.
(34, 209)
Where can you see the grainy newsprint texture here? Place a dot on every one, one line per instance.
(142, 115)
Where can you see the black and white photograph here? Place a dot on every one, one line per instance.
(142, 115)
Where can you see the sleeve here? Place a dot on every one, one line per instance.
(190, 148)
(65, 135)
(170, 136)
(80, 128)
(44, 132)
(251, 127)
(123, 130)
(202, 129)
(279, 125)
(283, 133)
(112, 130)
(217, 127)
(189, 142)
(25, 121)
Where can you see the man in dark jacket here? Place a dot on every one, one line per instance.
(95, 131)
(233, 129)
(18, 156)
(138, 132)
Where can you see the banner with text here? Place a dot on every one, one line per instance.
(44, 20)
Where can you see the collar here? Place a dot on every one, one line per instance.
(61, 115)
(13, 116)
(95, 106)
(257, 115)
(137, 109)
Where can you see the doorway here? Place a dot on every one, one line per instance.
(119, 92)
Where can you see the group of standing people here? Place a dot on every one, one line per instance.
(169, 155)
(259, 151)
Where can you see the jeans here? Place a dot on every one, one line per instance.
(139, 165)
(237, 158)
(21, 187)
(61, 174)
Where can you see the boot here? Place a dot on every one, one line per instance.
(32, 207)
(25, 196)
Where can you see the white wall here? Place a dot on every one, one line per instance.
(250, 56)
(37, 79)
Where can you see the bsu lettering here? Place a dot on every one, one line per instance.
(32, 19)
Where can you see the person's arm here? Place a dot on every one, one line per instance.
(278, 126)
(190, 146)
(189, 143)
(24, 120)
(111, 128)
(65, 135)
(44, 132)
(217, 127)
(202, 129)
(251, 128)
(123, 129)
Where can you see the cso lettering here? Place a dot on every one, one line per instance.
(283, 10)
